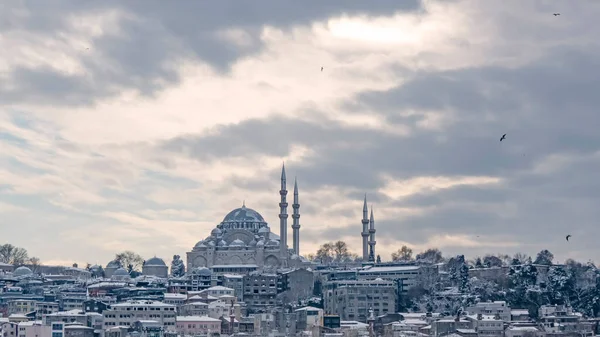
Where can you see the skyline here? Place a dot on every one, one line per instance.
(139, 126)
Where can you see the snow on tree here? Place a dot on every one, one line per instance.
(177, 266)
(561, 285)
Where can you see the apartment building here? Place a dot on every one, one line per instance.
(127, 313)
(352, 300)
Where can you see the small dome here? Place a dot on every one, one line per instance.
(222, 243)
(264, 230)
(252, 243)
(22, 271)
(121, 272)
(211, 243)
(95, 267)
(202, 271)
(295, 257)
(237, 243)
(216, 232)
(260, 243)
(113, 264)
(272, 243)
(155, 261)
(200, 243)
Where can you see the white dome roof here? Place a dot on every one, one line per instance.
(22, 271)
(264, 229)
(237, 243)
(243, 214)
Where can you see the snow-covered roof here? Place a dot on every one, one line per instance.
(523, 328)
(109, 285)
(175, 296)
(2, 264)
(233, 275)
(74, 312)
(234, 266)
(389, 269)
(309, 308)
(353, 324)
(196, 319)
(519, 312)
(220, 288)
(413, 321)
(142, 304)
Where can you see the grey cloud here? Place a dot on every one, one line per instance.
(547, 107)
(145, 53)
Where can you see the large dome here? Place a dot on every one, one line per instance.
(243, 214)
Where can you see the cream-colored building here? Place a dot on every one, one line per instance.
(197, 325)
(126, 313)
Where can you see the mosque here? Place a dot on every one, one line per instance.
(243, 241)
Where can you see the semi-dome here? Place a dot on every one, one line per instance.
(216, 232)
(252, 243)
(222, 243)
(264, 230)
(237, 243)
(22, 271)
(260, 243)
(243, 214)
(155, 261)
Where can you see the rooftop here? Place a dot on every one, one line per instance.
(196, 319)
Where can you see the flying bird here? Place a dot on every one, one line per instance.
(556, 14)
(503, 137)
(568, 236)
(321, 68)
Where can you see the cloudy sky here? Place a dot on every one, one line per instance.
(140, 124)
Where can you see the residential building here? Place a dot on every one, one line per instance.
(197, 325)
(126, 313)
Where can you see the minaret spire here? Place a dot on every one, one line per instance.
(296, 219)
(283, 217)
(372, 241)
(365, 231)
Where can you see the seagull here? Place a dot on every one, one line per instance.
(568, 236)
(556, 14)
(321, 68)
(503, 137)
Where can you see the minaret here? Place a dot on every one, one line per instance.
(365, 231)
(372, 241)
(296, 219)
(283, 217)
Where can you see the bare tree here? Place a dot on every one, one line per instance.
(402, 254)
(130, 260)
(13, 255)
(325, 253)
(34, 264)
(340, 249)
